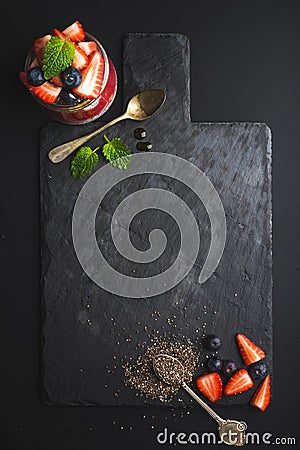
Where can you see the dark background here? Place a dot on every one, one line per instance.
(245, 66)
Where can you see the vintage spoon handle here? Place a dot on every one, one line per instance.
(58, 154)
(207, 408)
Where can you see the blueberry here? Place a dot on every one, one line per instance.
(35, 76)
(71, 77)
(229, 367)
(69, 97)
(214, 364)
(257, 370)
(212, 342)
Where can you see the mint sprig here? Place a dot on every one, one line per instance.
(115, 151)
(58, 55)
(83, 162)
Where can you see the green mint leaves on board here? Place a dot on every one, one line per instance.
(117, 153)
(83, 162)
(59, 53)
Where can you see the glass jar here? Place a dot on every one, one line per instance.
(89, 109)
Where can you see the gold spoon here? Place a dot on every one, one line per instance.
(140, 107)
(170, 370)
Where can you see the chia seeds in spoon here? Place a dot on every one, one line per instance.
(142, 377)
(168, 369)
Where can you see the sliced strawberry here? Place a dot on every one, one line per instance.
(80, 58)
(23, 78)
(92, 77)
(58, 33)
(39, 47)
(88, 47)
(249, 351)
(262, 396)
(210, 385)
(34, 63)
(57, 81)
(47, 91)
(75, 32)
(239, 382)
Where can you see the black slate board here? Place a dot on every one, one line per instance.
(86, 330)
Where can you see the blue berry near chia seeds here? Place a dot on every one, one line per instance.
(212, 342)
(229, 367)
(214, 364)
(257, 370)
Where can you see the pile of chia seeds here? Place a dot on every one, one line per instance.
(141, 375)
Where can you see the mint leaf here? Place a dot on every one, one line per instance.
(83, 162)
(58, 55)
(117, 153)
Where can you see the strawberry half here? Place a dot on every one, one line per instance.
(75, 32)
(88, 47)
(239, 382)
(47, 91)
(57, 81)
(249, 351)
(210, 385)
(58, 33)
(262, 396)
(92, 77)
(34, 63)
(39, 47)
(80, 58)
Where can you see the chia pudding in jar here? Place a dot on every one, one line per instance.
(85, 87)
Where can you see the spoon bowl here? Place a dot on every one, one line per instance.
(140, 107)
(145, 104)
(170, 370)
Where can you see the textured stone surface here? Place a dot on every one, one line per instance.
(87, 331)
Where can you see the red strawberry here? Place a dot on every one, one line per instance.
(47, 91)
(75, 32)
(39, 47)
(210, 385)
(88, 46)
(80, 58)
(92, 77)
(34, 63)
(239, 382)
(262, 395)
(58, 33)
(57, 81)
(250, 352)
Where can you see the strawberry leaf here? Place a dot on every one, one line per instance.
(83, 162)
(59, 53)
(117, 153)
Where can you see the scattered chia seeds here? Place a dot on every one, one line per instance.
(141, 375)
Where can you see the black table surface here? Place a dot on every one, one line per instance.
(245, 66)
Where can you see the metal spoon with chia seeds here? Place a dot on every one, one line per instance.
(170, 371)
